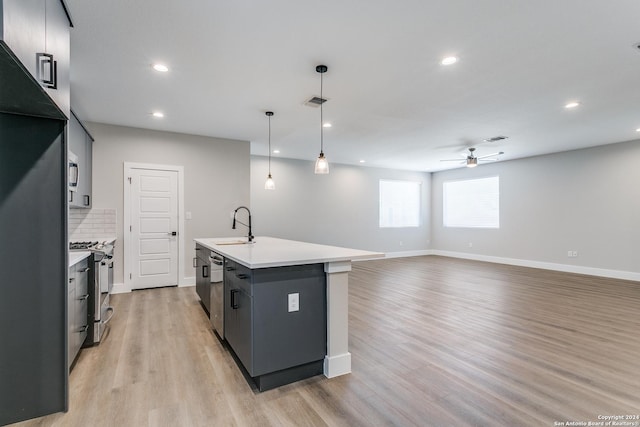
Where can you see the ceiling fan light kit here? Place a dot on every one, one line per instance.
(472, 160)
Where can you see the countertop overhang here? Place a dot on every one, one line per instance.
(77, 256)
(266, 252)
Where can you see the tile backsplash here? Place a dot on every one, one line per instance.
(94, 223)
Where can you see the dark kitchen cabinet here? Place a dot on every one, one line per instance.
(275, 343)
(33, 295)
(238, 312)
(203, 280)
(34, 368)
(37, 33)
(77, 308)
(81, 144)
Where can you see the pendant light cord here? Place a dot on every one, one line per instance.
(321, 119)
(269, 145)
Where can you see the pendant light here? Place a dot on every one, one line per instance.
(269, 184)
(322, 165)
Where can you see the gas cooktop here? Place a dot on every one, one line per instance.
(82, 246)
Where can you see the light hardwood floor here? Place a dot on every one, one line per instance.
(435, 342)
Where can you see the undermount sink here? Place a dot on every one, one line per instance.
(231, 242)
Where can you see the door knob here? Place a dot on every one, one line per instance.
(173, 233)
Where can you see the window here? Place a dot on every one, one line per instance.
(473, 203)
(399, 204)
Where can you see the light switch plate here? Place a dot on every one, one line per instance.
(294, 302)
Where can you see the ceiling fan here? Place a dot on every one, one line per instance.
(472, 160)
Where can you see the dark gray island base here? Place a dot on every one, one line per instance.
(285, 305)
(275, 321)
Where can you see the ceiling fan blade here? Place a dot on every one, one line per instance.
(453, 160)
(488, 160)
(491, 155)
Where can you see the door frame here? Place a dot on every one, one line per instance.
(128, 251)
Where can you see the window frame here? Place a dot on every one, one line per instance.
(445, 205)
(418, 214)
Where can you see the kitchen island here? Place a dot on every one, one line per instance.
(294, 260)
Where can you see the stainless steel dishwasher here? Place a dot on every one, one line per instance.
(216, 314)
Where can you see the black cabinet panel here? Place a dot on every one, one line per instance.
(265, 335)
(283, 339)
(203, 277)
(33, 295)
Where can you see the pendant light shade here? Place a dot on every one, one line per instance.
(322, 165)
(269, 184)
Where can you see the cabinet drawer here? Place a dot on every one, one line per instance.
(238, 275)
(81, 319)
(82, 278)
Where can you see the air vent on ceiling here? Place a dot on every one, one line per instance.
(316, 101)
(637, 46)
(495, 139)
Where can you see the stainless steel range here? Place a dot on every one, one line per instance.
(99, 310)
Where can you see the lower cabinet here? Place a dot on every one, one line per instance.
(77, 305)
(275, 321)
(203, 281)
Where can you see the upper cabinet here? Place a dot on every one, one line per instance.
(81, 145)
(36, 33)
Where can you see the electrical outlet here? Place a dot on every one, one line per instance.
(570, 254)
(470, 244)
(294, 302)
(187, 215)
(400, 242)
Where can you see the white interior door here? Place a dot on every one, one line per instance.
(154, 228)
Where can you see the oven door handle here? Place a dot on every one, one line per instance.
(105, 321)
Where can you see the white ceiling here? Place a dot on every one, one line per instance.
(391, 103)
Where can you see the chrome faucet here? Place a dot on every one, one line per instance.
(249, 236)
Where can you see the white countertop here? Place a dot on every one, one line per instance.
(104, 239)
(77, 256)
(272, 252)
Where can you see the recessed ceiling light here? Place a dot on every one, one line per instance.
(362, 161)
(572, 104)
(638, 130)
(449, 60)
(158, 114)
(326, 125)
(160, 67)
(276, 151)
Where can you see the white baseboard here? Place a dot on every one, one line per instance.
(335, 366)
(187, 281)
(403, 254)
(122, 288)
(591, 271)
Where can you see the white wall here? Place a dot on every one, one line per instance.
(216, 179)
(585, 200)
(339, 209)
